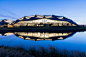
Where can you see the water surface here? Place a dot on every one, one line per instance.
(61, 40)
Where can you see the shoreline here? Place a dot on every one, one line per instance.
(49, 29)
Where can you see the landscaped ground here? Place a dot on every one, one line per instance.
(44, 28)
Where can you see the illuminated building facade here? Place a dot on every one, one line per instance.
(44, 20)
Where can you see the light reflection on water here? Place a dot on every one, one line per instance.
(67, 40)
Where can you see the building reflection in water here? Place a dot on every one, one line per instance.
(40, 35)
(43, 35)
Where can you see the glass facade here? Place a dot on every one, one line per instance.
(43, 22)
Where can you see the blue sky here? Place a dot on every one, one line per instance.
(72, 9)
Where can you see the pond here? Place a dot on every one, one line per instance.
(61, 40)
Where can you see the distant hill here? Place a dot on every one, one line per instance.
(5, 21)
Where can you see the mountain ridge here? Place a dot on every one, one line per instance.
(5, 21)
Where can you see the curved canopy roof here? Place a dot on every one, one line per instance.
(35, 17)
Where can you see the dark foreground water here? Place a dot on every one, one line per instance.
(61, 40)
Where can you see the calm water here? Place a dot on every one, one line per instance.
(66, 40)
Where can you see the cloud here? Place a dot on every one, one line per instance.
(9, 11)
(7, 16)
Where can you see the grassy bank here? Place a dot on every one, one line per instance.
(20, 51)
(60, 28)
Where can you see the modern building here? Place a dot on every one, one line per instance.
(44, 20)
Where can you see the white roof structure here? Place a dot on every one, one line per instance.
(52, 17)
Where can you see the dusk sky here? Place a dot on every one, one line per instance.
(72, 9)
